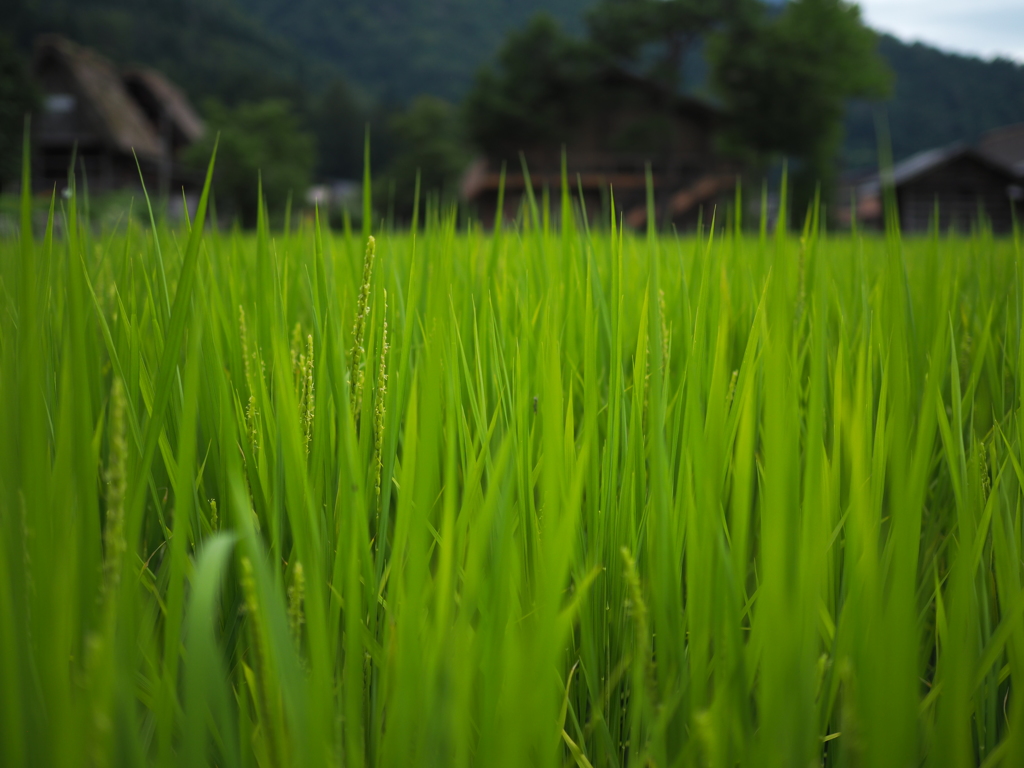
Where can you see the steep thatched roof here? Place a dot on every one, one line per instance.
(120, 119)
(158, 94)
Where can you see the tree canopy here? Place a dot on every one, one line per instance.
(256, 140)
(542, 84)
(430, 143)
(786, 79)
(783, 77)
(655, 36)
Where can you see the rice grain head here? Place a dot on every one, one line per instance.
(356, 372)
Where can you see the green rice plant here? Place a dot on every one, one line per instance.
(547, 496)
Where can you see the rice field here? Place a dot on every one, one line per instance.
(536, 497)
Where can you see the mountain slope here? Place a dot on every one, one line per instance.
(393, 50)
(397, 49)
(938, 98)
(209, 47)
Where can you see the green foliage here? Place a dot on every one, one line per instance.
(543, 85)
(18, 98)
(548, 85)
(786, 80)
(256, 140)
(338, 122)
(558, 497)
(657, 35)
(430, 144)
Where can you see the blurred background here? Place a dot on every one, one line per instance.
(482, 99)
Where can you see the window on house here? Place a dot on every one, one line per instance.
(59, 103)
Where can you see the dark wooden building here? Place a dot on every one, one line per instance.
(106, 120)
(959, 184)
(609, 152)
(1005, 146)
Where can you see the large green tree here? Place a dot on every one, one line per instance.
(430, 143)
(257, 140)
(543, 83)
(783, 76)
(657, 36)
(786, 79)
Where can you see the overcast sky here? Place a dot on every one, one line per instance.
(979, 27)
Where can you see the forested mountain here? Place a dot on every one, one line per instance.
(392, 50)
(938, 98)
(210, 47)
(400, 48)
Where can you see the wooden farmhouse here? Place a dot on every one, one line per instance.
(106, 119)
(957, 188)
(608, 153)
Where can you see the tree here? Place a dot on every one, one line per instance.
(786, 80)
(262, 139)
(544, 83)
(430, 142)
(18, 97)
(658, 35)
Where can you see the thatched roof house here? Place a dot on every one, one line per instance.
(108, 119)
